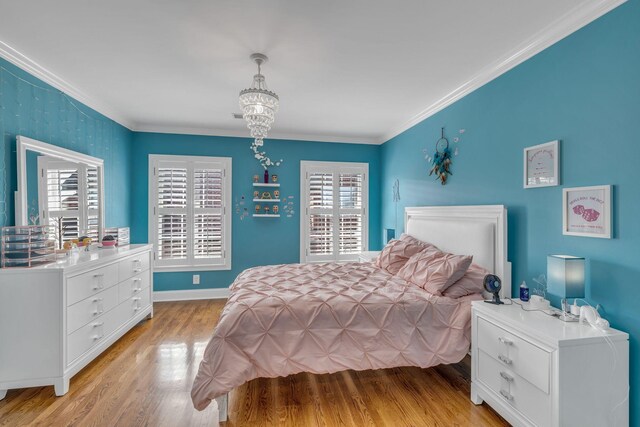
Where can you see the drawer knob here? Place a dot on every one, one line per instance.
(504, 359)
(506, 376)
(506, 395)
(137, 270)
(505, 341)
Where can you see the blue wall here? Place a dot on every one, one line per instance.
(585, 91)
(34, 109)
(255, 241)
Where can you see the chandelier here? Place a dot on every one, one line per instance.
(258, 104)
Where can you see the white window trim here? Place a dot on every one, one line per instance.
(335, 167)
(226, 162)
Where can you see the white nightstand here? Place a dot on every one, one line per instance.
(368, 256)
(536, 370)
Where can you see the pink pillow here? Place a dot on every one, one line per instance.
(413, 240)
(397, 253)
(435, 271)
(471, 283)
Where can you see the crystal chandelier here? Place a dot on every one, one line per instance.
(258, 104)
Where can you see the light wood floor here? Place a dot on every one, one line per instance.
(145, 378)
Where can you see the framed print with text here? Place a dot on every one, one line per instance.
(541, 165)
(586, 211)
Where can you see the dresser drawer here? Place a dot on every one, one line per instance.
(82, 340)
(91, 308)
(133, 286)
(524, 358)
(90, 283)
(135, 304)
(131, 266)
(514, 390)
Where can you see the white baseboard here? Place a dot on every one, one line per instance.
(191, 294)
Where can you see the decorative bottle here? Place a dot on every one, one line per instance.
(266, 176)
(524, 292)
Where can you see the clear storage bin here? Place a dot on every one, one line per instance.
(25, 246)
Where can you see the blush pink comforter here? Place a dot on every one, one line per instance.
(321, 318)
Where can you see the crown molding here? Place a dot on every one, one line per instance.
(35, 69)
(244, 133)
(551, 34)
(567, 24)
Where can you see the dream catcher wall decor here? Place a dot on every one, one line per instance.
(441, 159)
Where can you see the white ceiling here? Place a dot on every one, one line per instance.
(354, 71)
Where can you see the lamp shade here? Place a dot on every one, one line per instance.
(565, 276)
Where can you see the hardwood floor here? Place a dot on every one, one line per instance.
(145, 379)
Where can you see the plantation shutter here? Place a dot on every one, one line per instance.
(334, 221)
(320, 213)
(351, 212)
(208, 212)
(92, 202)
(61, 199)
(192, 227)
(172, 212)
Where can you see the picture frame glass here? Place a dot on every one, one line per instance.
(587, 211)
(541, 165)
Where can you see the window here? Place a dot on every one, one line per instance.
(189, 222)
(334, 223)
(69, 199)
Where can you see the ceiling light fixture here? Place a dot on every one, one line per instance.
(259, 105)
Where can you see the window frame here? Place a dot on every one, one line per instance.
(191, 163)
(335, 168)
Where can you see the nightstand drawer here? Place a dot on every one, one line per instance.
(515, 390)
(524, 358)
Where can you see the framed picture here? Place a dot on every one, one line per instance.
(586, 211)
(541, 165)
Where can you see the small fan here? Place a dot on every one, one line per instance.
(493, 285)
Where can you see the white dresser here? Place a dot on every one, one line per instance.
(536, 370)
(57, 318)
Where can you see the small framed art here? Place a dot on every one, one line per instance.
(586, 211)
(541, 165)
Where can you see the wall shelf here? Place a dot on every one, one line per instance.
(267, 200)
(266, 215)
(261, 184)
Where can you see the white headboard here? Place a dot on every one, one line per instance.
(480, 231)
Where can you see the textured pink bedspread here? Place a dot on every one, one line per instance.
(321, 318)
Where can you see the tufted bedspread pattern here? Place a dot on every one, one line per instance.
(322, 318)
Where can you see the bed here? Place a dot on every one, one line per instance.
(322, 318)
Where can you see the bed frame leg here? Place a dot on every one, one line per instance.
(223, 407)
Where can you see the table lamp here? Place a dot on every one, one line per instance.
(565, 279)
